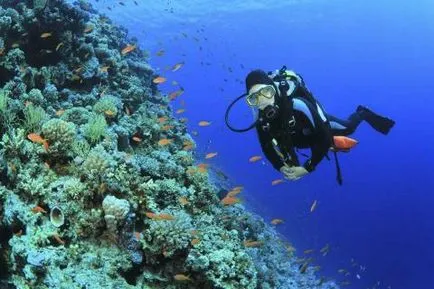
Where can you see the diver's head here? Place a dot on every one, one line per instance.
(261, 90)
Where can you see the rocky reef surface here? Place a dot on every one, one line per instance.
(98, 184)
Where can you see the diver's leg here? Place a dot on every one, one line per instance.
(379, 123)
(344, 127)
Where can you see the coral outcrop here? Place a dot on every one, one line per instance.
(90, 197)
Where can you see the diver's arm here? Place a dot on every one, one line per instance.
(268, 150)
(321, 132)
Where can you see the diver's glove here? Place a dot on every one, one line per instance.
(293, 173)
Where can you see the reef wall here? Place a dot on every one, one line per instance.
(98, 184)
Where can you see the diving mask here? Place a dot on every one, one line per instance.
(267, 91)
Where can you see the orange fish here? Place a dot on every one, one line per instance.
(60, 112)
(314, 205)
(252, 244)
(138, 235)
(166, 217)
(38, 209)
(89, 28)
(36, 138)
(233, 193)
(202, 167)
(309, 251)
(104, 68)
(150, 215)
(254, 159)
(128, 49)
(162, 119)
(159, 79)
(109, 113)
(174, 94)
(58, 239)
(276, 182)
(160, 52)
(210, 155)
(188, 147)
(277, 221)
(177, 66)
(164, 141)
(179, 111)
(166, 127)
(343, 143)
(136, 139)
(238, 188)
(46, 35)
(181, 277)
(183, 119)
(227, 201)
(204, 123)
(183, 201)
(195, 241)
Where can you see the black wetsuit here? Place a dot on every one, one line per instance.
(314, 129)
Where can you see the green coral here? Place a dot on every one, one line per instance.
(95, 129)
(60, 135)
(33, 117)
(106, 106)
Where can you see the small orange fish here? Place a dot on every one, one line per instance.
(227, 201)
(104, 68)
(204, 123)
(47, 165)
(38, 209)
(58, 239)
(109, 113)
(150, 215)
(160, 52)
(194, 232)
(277, 221)
(36, 138)
(343, 143)
(174, 94)
(88, 29)
(183, 201)
(162, 119)
(183, 119)
(181, 277)
(195, 241)
(136, 139)
(238, 188)
(276, 182)
(303, 267)
(254, 159)
(59, 112)
(164, 141)
(233, 193)
(166, 217)
(202, 167)
(210, 155)
(127, 110)
(177, 66)
(46, 35)
(59, 45)
(128, 49)
(138, 235)
(166, 127)
(252, 244)
(310, 251)
(159, 79)
(179, 111)
(314, 205)
(188, 147)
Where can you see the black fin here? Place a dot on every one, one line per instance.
(379, 123)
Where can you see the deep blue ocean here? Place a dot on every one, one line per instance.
(380, 223)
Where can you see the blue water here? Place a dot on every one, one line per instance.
(377, 53)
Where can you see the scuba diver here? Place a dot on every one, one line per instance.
(288, 118)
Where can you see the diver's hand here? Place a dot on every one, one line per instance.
(293, 173)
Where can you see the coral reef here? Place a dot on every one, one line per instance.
(89, 195)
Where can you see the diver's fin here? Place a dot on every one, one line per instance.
(379, 123)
